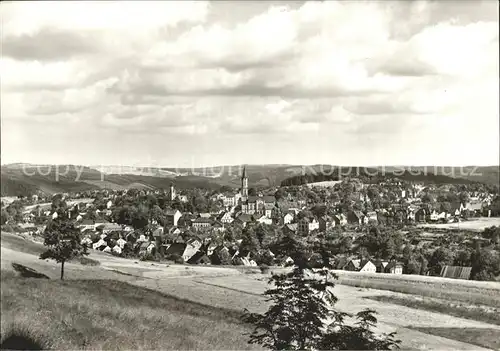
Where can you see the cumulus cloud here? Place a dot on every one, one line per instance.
(322, 72)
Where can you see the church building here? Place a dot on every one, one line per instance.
(262, 205)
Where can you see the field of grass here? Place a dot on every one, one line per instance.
(108, 314)
(466, 291)
(489, 338)
(477, 313)
(19, 243)
(24, 244)
(474, 224)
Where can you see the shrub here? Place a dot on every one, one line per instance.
(264, 268)
(21, 338)
(88, 261)
(237, 261)
(7, 228)
(176, 258)
(146, 256)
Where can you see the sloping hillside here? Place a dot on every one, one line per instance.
(482, 174)
(32, 179)
(25, 179)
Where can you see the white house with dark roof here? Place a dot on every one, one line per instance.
(173, 216)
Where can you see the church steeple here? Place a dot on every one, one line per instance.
(172, 194)
(244, 184)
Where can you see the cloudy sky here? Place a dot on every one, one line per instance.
(176, 84)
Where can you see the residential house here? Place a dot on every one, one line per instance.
(230, 200)
(108, 227)
(307, 225)
(358, 265)
(200, 223)
(303, 226)
(158, 233)
(86, 224)
(291, 228)
(325, 223)
(443, 216)
(117, 249)
(243, 219)
(372, 216)
(218, 226)
(191, 249)
(434, 216)
(380, 265)
(172, 217)
(313, 224)
(355, 217)
(182, 198)
(294, 210)
(199, 257)
(263, 219)
(394, 267)
(28, 217)
(147, 247)
(474, 208)
(121, 243)
(410, 214)
(288, 218)
(220, 255)
(176, 248)
(456, 209)
(456, 272)
(99, 245)
(205, 215)
(340, 219)
(225, 217)
(86, 241)
(421, 215)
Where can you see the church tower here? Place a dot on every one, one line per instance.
(244, 185)
(172, 192)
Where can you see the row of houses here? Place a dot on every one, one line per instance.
(371, 266)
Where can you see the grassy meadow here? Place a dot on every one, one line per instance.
(477, 313)
(464, 291)
(108, 314)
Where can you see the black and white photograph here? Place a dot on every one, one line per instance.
(250, 175)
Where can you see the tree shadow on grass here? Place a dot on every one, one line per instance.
(22, 340)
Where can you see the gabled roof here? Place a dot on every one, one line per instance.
(358, 214)
(393, 264)
(203, 220)
(171, 212)
(218, 224)
(144, 245)
(291, 226)
(364, 263)
(356, 263)
(379, 263)
(245, 217)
